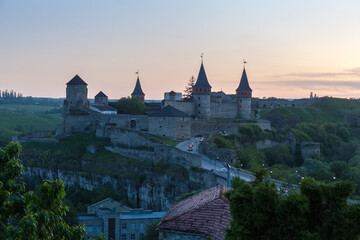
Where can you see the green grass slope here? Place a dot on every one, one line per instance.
(26, 117)
(324, 110)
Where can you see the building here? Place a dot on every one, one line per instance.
(203, 216)
(101, 98)
(170, 122)
(117, 221)
(207, 104)
(185, 118)
(138, 92)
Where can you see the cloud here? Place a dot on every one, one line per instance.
(313, 84)
(344, 73)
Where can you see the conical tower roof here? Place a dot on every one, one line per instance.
(244, 83)
(138, 91)
(76, 81)
(202, 81)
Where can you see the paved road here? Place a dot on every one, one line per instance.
(220, 169)
(211, 164)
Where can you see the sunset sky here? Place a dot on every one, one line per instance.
(292, 47)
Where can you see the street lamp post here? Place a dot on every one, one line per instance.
(217, 159)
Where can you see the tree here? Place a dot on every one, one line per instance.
(188, 92)
(130, 106)
(151, 233)
(319, 211)
(31, 215)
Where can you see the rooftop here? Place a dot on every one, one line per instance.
(244, 83)
(137, 90)
(206, 213)
(101, 94)
(169, 111)
(76, 81)
(142, 215)
(102, 107)
(202, 80)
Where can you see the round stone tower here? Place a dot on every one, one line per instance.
(76, 93)
(244, 94)
(201, 92)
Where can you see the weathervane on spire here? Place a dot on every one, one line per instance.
(244, 62)
(137, 73)
(202, 57)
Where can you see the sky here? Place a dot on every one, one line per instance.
(292, 47)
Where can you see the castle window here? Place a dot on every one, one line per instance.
(163, 135)
(199, 98)
(181, 125)
(199, 105)
(199, 111)
(160, 126)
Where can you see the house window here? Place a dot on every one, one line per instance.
(123, 226)
(123, 236)
(133, 226)
(141, 225)
(132, 236)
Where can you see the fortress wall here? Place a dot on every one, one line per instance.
(133, 144)
(271, 103)
(124, 120)
(225, 155)
(228, 125)
(186, 107)
(223, 110)
(127, 137)
(75, 124)
(172, 127)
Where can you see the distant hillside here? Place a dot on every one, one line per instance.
(325, 109)
(19, 118)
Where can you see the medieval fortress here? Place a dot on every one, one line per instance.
(207, 112)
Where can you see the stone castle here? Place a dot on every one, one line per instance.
(174, 118)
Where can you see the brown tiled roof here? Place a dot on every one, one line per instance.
(205, 213)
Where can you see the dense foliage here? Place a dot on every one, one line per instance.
(319, 211)
(339, 145)
(129, 106)
(31, 215)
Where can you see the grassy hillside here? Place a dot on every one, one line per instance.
(325, 110)
(17, 118)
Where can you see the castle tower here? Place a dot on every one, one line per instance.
(202, 91)
(101, 98)
(243, 94)
(138, 92)
(76, 93)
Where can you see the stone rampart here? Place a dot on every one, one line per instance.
(186, 107)
(75, 124)
(224, 110)
(134, 144)
(225, 155)
(228, 125)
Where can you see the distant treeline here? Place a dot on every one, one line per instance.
(10, 94)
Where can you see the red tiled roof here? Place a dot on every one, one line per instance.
(205, 213)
